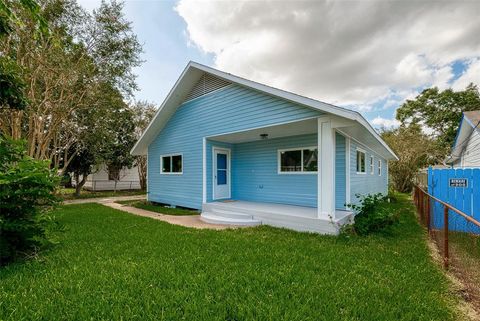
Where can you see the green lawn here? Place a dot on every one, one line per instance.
(69, 193)
(159, 208)
(112, 265)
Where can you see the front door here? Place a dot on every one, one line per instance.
(221, 173)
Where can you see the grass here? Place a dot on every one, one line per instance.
(69, 193)
(464, 251)
(112, 265)
(159, 208)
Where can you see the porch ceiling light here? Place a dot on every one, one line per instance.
(263, 136)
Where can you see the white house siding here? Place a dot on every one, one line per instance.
(129, 179)
(471, 154)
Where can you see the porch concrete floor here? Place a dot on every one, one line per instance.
(283, 209)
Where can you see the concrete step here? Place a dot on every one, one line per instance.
(230, 214)
(216, 219)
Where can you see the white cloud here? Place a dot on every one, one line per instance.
(471, 74)
(343, 52)
(385, 123)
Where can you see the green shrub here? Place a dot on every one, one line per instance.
(26, 195)
(373, 214)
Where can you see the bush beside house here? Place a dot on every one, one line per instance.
(26, 195)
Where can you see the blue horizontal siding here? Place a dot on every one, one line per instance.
(232, 108)
(340, 171)
(255, 174)
(364, 184)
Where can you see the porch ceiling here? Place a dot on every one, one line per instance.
(308, 126)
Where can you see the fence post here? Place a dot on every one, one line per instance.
(428, 215)
(421, 206)
(445, 237)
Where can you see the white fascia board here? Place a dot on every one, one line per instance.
(141, 146)
(308, 102)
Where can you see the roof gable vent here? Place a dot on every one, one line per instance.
(205, 85)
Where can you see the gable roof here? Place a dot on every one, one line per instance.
(470, 121)
(193, 73)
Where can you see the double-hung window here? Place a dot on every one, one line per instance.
(171, 164)
(361, 161)
(298, 160)
(379, 167)
(372, 167)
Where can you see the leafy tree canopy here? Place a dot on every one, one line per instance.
(414, 149)
(440, 111)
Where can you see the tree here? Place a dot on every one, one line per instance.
(26, 194)
(64, 71)
(120, 140)
(143, 113)
(414, 149)
(440, 111)
(12, 85)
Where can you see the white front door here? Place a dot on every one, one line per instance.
(221, 173)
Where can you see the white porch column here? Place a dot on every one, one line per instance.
(326, 168)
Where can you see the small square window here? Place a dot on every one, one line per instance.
(172, 164)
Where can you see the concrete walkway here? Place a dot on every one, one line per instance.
(185, 220)
(104, 200)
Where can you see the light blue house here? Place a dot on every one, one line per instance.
(246, 153)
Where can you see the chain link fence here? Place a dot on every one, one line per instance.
(457, 238)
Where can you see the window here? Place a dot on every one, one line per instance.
(379, 167)
(171, 164)
(300, 160)
(360, 161)
(372, 168)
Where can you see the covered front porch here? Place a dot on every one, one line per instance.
(299, 218)
(292, 175)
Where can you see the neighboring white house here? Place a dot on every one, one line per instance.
(466, 149)
(103, 180)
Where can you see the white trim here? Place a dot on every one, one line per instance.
(148, 180)
(372, 165)
(334, 169)
(143, 143)
(320, 213)
(326, 174)
(204, 170)
(171, 164)
(229, 169)
(348, 171)
(379, 167)
(301, 149)
(364, 158)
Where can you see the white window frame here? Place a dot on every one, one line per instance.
(379, 167)
(356, 160)
(301, 149)
(171, 164)
(372, 165)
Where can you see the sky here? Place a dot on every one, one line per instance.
(365, 55)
